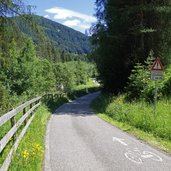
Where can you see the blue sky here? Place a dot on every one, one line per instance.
(77, 14)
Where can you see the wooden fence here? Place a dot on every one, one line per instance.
(25, 120)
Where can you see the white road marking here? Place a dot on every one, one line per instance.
(120, 141)
(153, 156)
(136, 156)
(133, 157)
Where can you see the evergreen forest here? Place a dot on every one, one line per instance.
(127, 34)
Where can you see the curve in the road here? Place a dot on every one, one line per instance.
(77, 140)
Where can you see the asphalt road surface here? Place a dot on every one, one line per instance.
(77, 140)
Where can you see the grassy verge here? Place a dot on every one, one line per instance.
(30, 154)
(138, 118)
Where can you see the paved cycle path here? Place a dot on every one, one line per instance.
(77, 140)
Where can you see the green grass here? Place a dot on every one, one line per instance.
(138, 118)
(3, 130)
(29, 155)
(89, 84)
(81, 90)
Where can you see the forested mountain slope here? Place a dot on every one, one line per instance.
(65, 38)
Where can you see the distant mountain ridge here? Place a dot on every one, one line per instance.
(65, 38)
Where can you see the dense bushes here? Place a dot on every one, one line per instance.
(71, 74)
(141, 87)
(166, 83)
(4, 95)
(123, 35)
(24, 75)
(135, 108)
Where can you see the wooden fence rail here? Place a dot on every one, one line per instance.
(10, 116)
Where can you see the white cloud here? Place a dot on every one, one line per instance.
(62, 13)
(47, 16)
(71, 23)
(73, 19)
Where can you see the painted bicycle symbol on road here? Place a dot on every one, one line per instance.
(137, 156)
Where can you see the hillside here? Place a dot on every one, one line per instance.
(65, 38)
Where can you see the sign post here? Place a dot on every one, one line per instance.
(155, 96)
(156, 74)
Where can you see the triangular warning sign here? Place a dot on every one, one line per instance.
(157, 65)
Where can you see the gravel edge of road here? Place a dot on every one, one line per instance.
(46, 164)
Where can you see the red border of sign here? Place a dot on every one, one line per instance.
(157, 60)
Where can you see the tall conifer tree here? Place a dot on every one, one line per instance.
(125, 33)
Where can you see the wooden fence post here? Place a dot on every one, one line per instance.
(24, 111)
(31, 105)
(13, 122)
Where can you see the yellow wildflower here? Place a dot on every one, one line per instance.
(37, 148)
(25, 154)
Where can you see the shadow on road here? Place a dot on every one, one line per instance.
(79, 107)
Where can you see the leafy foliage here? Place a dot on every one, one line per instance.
(35, 67)
(25, 75)
(14, 7)
(71, 74)
(4, 96)
(125, 33)
(140, 87)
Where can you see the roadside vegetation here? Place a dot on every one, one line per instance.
(25, 75)
(32, 64)
(138, 118)
(125, 33)
(135, 108)
(35, 67)
(128, 36)
(30, 153)
(90, 87)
